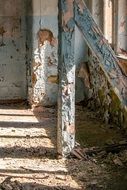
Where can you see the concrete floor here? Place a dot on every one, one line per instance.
(28, 149)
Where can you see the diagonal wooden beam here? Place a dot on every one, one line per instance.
(101, 49)
(66, 96)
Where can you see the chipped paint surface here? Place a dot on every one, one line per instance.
(42, 24)
(101, 49)
(45, 66)
(66, 99)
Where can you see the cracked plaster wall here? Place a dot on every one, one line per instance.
(43, 77)
(33, 66)
(45, 74)
(102, 98)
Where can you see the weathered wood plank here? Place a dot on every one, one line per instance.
(66, 96)
(101, 49)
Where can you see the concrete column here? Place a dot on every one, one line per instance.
(66, 96)
(122, 26)
(115, 24)
(97, 12)
(42, 33)
(107, 28)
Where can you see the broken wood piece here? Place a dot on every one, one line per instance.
(113, 148)
(78, 153)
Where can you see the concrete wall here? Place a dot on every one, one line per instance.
(12, 50)
(25, 63)
(43, 59)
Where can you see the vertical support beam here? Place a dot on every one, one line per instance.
(122, 25)
(97, 12)
(107, 28)
(114, 24)
(66, 96)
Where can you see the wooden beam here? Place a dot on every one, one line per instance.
(66, 96)
(101, 49)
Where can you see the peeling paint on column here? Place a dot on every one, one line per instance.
(101, 49)
(44, 66)
(66, 99)
(42, 45)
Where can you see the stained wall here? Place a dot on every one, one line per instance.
(42, 53)
(13, 83)
(43, 58)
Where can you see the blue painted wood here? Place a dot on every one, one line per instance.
(102, 50)
(66, 95)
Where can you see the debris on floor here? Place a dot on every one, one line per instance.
(28, 152)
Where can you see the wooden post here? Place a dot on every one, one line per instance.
(101, 49)
(66, 96)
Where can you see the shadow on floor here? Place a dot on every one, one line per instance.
(21, 152)
(35, 142)
(33, 186)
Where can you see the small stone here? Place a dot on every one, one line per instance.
(94, 182)
(61, 177)
(94, 160)
(123, 142)
(118, 162)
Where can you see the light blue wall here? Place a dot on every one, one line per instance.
(81, 56)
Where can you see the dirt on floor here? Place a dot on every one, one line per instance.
(28, 152)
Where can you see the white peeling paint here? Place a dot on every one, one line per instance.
(46, 61)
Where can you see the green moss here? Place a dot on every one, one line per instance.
(115, 104)
(101, 95)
